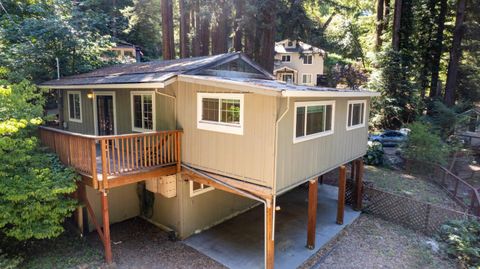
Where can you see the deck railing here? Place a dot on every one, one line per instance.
(103, 157)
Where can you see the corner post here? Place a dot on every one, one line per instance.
(269, 241)
(342, 182)
(312, 213)
(359, 185)
(106, 227)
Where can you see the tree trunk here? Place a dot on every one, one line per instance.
(386, 14)
(397, 16)
(220, 38)
(437, 47)
(267, 39)
(237, 40)
(328, 21)
(455, 54)
(195, 15)
(204, 35)
(380, 22)
(168, 49)
(184, 29)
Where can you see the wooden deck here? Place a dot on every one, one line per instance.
(112, 161)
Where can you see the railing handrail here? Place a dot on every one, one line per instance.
(106, 137)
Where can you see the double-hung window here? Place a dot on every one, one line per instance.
(74, 106)
(285, 58)
(220, 112)
(307, 59)
(356, 114)
(307, 79)
(143, 111)
(313, 119)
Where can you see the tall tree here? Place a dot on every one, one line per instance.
(380, 23)
(267, 11)
(237, 39)
(221, 27)
(184, 29)
(437, 47)
(195, 15)
(455, 54)
(168, 49)
(397, 16)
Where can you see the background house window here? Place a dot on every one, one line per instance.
(356, 114)
(290, 44)
(143, 112)
(220, 112)
(197, 188)
(285, 58)
(313, 119)
(307, 78)
(307, 59)
(74, 106)
(287, 78)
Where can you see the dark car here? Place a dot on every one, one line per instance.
(390, 138)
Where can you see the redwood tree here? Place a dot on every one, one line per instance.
(380, 23)
(437, 47)
(168, 48)
(397, 16)
(267, 30)
(184, 29)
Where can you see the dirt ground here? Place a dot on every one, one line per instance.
(371, 242)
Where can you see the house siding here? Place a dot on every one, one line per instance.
(303, 160)
(86, 126)
(248, 157)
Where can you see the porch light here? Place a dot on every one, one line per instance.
(90, 95)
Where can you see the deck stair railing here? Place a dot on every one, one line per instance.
(103, 157)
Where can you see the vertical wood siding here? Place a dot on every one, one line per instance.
(86, 126)
(300, 161)
(249, 156)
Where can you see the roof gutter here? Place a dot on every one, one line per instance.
(146, 85)
(329, 94)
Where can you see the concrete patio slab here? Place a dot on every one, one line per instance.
(238, 242)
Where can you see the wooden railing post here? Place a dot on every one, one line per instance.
(103, 148)
(93, 154)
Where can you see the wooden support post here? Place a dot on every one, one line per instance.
(270, 244)
(312, 213)
(106, 227)
(342, 182)
(320, 178)
(359, 185)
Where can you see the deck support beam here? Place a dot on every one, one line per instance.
(359, 184)
(106, 227)
(312, 213)
(269, 230)
(342, 182)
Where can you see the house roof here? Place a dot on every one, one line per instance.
(300, 47)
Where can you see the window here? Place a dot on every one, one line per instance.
(74, 106)
(307, 59)
(285, 58)
(128, 53)
(307, 79)
(287, 78)
(356, 114)
(143, 111)
(290, 44)
(313, 119)
(197, 188)
(220, 112)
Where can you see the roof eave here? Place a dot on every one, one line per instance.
(290, 93)
(145, 85)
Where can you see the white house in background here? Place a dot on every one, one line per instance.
(298, 62)
(126, 52)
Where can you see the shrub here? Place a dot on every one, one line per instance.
(462, 238)
(7, 262)
(374, 154)
(425, 145)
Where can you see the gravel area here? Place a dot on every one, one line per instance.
(139, 244)
(371, 242)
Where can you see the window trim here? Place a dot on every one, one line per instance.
(352, 102)
(204, 189)
(219, 126)
(316, 135)
(132, 111)
(289, 58)
(80, 102)
(311, 78)
(307, 55)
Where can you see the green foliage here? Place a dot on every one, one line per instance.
(7, 262)
(425, 145)
(374, 154)
(463, 241)
(34, 185)
(445, 119)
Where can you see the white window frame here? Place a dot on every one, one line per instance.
(311, 78)
(221, 127)
(316, 135)
(289, 58)
(132, 111)
(352, 102)
(204, 189)
(80, 102)
(305, 57)
(288, 74)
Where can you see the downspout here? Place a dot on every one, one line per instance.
(265, 203)
(274, 185)
(174, 104)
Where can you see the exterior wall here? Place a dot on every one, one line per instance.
(303, 160)
(247, 157)
(164, 111)
(316, 68)
(122, 203)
